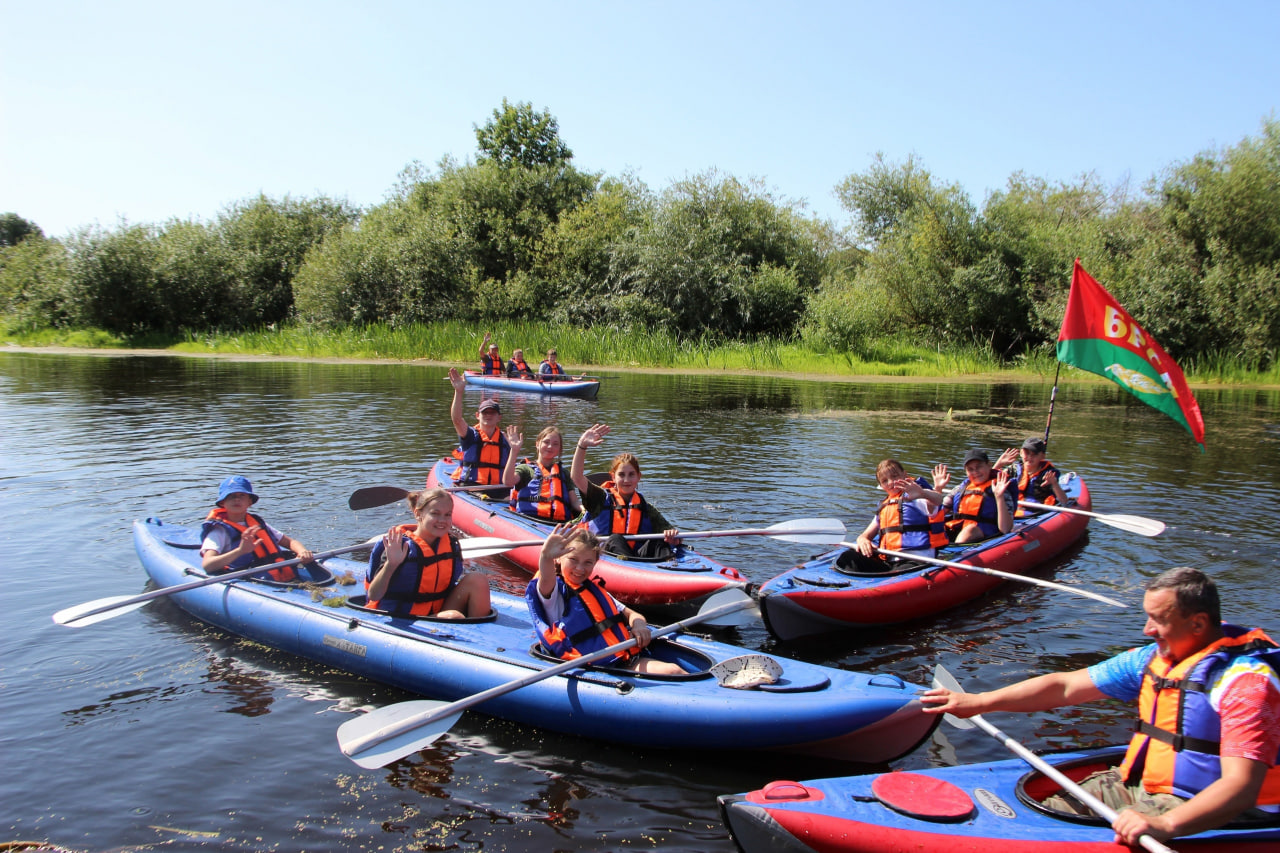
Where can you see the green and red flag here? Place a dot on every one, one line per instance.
(1099, 336)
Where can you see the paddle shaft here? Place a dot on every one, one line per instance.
(1100, 808)
(212, 579)
(999, 574)
(752, 531)
(418, 720)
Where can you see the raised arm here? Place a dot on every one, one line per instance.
(592, 437)
(455, 408)
(1004, 515)
(515, 438)
(484, 346)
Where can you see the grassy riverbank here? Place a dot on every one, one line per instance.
(601, 347)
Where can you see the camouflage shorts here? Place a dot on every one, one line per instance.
(1108, 786)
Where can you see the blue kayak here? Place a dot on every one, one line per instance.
(810, 709)
(981, 808)
(559, 386)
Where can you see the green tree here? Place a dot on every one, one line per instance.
(14, 229)
(35, 281)
(515, 135)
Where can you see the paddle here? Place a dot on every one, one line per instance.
(810, 531)
(997, 573)
(388, 734)
(1132, 523)
(944, 679)
(92, 612)
(372, 496)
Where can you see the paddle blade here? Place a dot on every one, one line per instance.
(734, 619)
(810, 531)
(945, 680)
(376, 496)
(73, 617)
(1134, 524)
(394, 748)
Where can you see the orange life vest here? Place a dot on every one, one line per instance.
(521, 368)
(591, 621)
(626, 516)
(423, 580)
(483, 459)
(904, 528)
(1178, 734)
(544, 495)
(1030, 488)
(265, 549)
(492, 365)
(976, 504)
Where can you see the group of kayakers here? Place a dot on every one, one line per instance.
(916, 517)
(491, 363)
(1207, 742)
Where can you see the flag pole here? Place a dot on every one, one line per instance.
(1053, 396)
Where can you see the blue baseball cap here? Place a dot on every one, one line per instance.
(233, 484)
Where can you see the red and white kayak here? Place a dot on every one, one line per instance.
(980, 808)
(821, 597)
(686, 578)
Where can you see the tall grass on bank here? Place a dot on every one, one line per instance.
(459, 342)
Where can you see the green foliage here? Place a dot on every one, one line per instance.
(35, 280)
(14, 229)
(517, 136)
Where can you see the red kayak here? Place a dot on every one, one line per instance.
(820, 596)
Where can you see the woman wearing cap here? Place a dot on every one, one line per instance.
(482, 448)
(1037, 479)
(234, 538)
(982, 505)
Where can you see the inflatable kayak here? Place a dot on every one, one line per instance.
(981, 808)
(809, 709)
(687, 578)
(565, 386)
(821, 596)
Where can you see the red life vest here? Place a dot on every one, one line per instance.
(265, 549)
(422, 582)
(1030, 488)
(544, 495)
(492, 365)
(626, 516)
(904, 528)
(1178, 735)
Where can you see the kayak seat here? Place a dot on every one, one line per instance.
(360, 602)
(696, 664)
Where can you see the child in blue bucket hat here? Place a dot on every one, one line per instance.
(234, 538)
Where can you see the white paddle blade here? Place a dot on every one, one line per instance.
(1135, 524)
(945, 680)
(810, 531)
(397, 747)
(73, 617)
(734, 619)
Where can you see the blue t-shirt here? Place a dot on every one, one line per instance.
(1120, 677)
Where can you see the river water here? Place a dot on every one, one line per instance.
(153, 730)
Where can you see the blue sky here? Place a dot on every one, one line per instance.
(146, 111)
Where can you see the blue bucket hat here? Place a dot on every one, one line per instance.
(235, 483)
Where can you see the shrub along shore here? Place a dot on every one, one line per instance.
(595, 349)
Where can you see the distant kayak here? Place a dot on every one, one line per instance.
(821, 596)
(563, 386)
(989, 808)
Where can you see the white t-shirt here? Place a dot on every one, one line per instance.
(219, 539)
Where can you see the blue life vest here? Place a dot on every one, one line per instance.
(620, 515)
(903, 527)
(548, 368)
(482, 458)
(546, 495)
(424, 580)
